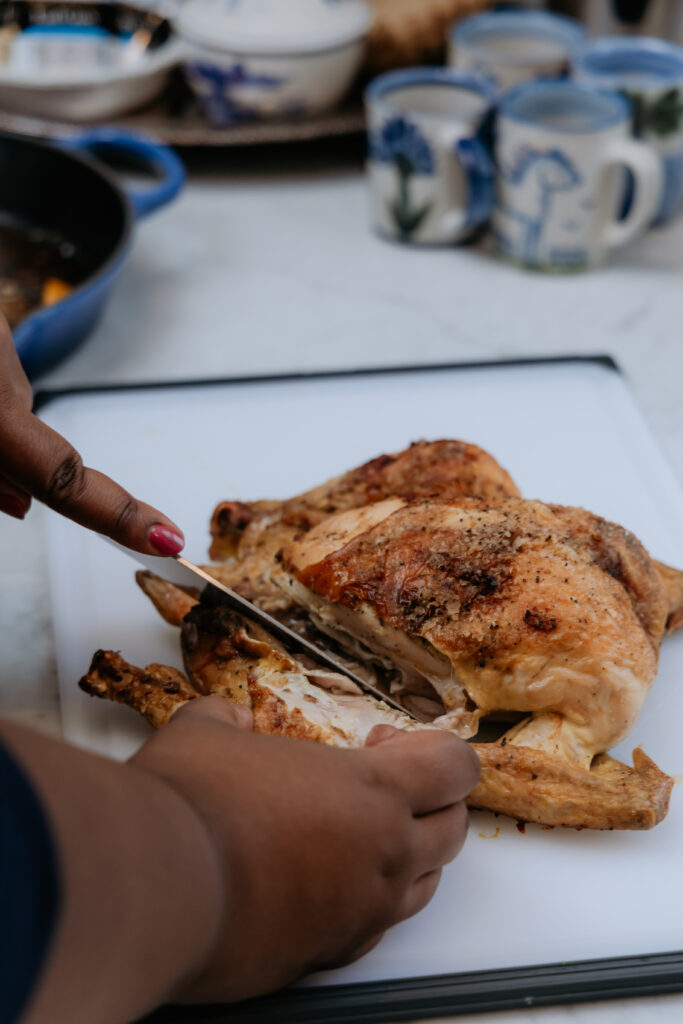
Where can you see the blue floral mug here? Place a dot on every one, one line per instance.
(649, 73)
(561, 150)
(430, 172)
(512, 46)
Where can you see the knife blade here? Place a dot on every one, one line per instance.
(184, 573)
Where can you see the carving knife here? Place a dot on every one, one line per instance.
(180, 571)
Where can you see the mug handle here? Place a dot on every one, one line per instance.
(477, 163)
(148, 152)
(648, 176)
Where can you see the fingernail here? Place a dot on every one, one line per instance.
(12, 506)
(165, 539)
(244, 716)
(380, 734)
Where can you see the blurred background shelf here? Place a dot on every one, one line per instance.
(404, 33)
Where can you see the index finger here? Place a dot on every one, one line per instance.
(434, 769)
(41, 462)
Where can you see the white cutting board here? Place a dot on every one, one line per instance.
(568, 433)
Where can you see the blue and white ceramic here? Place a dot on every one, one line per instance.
(649, 72)
(509, 47)
(270, 58)
(560, 153)
(430, 173)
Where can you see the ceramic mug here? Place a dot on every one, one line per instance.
(509, 47)
(649, 72)
(560, 152)
(430, 173)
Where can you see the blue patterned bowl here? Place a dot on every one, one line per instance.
(248, 59)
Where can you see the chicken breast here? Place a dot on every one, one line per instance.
(500, 606)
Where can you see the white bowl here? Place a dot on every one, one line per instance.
(78, 70)
(101, 97)
(271, 58)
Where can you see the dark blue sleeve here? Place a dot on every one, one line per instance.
(29, 888)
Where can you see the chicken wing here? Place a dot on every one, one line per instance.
(232, 658)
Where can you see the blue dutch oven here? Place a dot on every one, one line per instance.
(65, 189)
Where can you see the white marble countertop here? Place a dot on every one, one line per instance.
(266, 264)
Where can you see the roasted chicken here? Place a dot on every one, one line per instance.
(533, 627)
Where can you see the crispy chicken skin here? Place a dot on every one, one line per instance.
(251, 534)
(511, 605)
(446, 468)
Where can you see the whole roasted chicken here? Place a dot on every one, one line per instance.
(531, 629)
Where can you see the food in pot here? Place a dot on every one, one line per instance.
(38, 268)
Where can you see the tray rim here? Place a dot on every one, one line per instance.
(424, 996)
(453, 994)
(43, 396)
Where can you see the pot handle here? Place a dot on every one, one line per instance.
(148, 153)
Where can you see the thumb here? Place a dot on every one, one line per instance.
(380, 734)
(219, 709)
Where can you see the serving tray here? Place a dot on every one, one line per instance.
(522, 917)
(187, 128)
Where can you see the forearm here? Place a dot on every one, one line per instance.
(141, 887)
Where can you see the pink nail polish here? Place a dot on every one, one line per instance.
(12, 506)
(166, 540)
